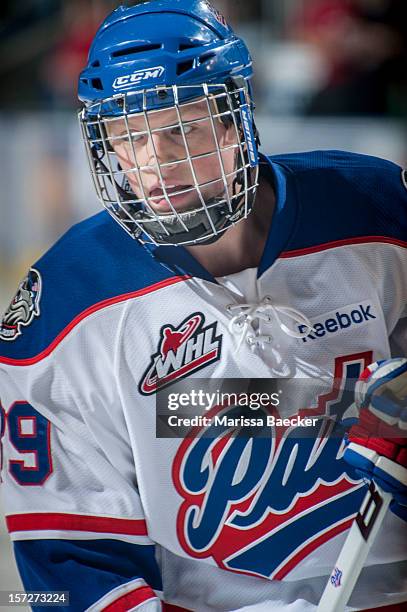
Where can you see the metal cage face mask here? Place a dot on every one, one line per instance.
(174, 165)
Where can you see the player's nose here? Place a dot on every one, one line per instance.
(160, 148)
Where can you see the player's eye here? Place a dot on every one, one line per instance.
(134, 135)
(125, 137)
(138, 136)
(177, 131)
(116, 139)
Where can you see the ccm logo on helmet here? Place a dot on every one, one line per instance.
(339, 320)
(128, 80)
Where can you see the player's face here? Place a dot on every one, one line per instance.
(183, 156)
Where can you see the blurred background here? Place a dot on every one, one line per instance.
(329, 74)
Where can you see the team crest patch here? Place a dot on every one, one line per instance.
(23, 308)
(181, 350)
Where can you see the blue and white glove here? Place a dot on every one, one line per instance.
(377, 445)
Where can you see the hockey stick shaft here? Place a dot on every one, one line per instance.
(355, 550)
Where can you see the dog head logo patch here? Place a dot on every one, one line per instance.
(24, 306)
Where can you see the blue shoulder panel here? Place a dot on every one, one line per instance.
(342, 196)
(94, 262)
(88, 569)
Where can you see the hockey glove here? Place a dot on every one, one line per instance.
(377, 445)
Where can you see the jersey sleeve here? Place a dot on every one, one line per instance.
(69, 488)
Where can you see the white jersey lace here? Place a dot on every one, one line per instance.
(245, 321)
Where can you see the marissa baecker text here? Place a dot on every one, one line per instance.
(241, 421)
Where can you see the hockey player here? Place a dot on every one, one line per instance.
(232, 265)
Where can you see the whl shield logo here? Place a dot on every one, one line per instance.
(181, 350)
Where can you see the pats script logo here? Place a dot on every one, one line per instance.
(181, 350)
(260, 505)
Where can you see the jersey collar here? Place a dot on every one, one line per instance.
(182, 262)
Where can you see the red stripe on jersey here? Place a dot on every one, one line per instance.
(401, 607)
(301, 554)
(344, 242)
(130, 600)
(74, 522)
(86, 313)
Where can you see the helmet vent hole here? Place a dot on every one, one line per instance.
(205, 58)
(134, 50)
(189, 45)
(97, 84)
(185, 66)
(95, 64)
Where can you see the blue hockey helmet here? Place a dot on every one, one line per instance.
(160, 55)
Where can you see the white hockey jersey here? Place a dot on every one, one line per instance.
(99, 506)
